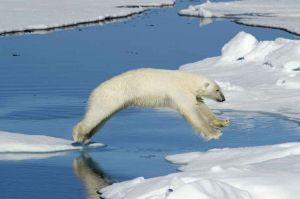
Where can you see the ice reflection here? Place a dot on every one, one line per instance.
(28, 156)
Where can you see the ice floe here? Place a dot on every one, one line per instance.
(23, 143)
(256, 75)
(284, 14)
(237, 173)
(31, 15)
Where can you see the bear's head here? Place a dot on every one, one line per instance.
(211, 90)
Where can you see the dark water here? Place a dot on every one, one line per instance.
(45, 80)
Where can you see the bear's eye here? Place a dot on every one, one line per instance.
(217, 90)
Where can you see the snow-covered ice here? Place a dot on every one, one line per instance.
(23, 143)
(284, 14)
(262, 172)
(256, 75)
(29, 15)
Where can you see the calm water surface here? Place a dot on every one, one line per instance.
(45, 80)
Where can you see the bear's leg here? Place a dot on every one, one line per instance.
(188, 110)
(99, 111)
(212, 119)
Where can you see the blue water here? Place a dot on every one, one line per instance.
(45, 80)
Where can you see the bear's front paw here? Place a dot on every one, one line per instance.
(220, 123)
(225, 122)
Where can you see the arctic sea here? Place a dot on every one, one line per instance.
(45, 81)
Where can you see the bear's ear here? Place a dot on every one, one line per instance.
(206, 84)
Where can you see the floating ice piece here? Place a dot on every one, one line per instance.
(29, 156)
(261, 172)
(23, 143)
(33, 15)
(283, 14)
(232, 157)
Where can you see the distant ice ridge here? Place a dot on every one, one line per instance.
(23, 143)
(256, 75)
(284, 14)
(271, 172)
(30, 15)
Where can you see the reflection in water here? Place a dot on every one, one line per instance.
(206, 21)
(90, 174)
(29, 156)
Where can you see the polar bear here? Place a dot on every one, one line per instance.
(147, 87)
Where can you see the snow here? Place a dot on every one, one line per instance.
(284, 14)
(29, 15)
(23, 143)
(237, 173)
(256, 75)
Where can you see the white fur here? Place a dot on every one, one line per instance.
(180, 90)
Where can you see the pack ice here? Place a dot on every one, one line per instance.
(283, 14)
(30, 15)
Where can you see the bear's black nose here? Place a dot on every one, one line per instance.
(221, 99)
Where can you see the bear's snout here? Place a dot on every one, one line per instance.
(222, 98)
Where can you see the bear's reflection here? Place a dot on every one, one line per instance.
(90, 174)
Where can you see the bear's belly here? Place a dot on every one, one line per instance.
(151, 101)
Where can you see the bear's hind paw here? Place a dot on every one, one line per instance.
(213, 135)
(80, 134)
